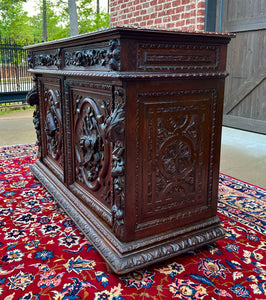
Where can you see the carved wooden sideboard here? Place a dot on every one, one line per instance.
(128, 126)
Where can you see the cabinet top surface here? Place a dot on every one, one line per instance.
(132, 33)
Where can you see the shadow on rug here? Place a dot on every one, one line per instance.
(44, 256)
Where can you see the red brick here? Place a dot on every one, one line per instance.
(201, 4)
(166, 19)
(185, 2)
(201, 12)
(176, 3)
(185, 16)
(175, 17)
(158, 21)
(180, 9)
(200, 19)
(180, 23)
(167, 5)
(146, 17)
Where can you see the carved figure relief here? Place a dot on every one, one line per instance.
(92, 150)
(53, 125)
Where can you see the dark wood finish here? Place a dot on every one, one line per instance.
(246, 86)
(129, 127)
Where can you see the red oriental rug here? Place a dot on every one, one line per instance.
(44, 256)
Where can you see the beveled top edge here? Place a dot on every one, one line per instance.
(131, 29)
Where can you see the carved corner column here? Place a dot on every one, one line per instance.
(33, 99)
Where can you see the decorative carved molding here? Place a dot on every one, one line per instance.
(132, 76)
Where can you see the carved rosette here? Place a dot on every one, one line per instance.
(175, 157)
(53, 125)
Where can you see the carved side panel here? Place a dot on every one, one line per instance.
(172, 153)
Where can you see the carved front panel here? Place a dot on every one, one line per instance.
(52, 123)
(98, 141)
(175, 144)
(92, 150)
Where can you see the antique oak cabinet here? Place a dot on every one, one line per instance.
(128, 125)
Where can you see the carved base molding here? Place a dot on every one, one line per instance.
(126, 257)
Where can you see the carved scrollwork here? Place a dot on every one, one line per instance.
(53, 124)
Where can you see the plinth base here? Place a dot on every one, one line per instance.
(125, 257)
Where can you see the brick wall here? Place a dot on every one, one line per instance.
(166, 14)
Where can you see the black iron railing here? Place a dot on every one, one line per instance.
(15, 80)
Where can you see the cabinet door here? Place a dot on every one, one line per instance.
(51, 125)
(89, 115)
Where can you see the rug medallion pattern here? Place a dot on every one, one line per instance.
(44, 256)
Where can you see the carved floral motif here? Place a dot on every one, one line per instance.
(92, 57)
